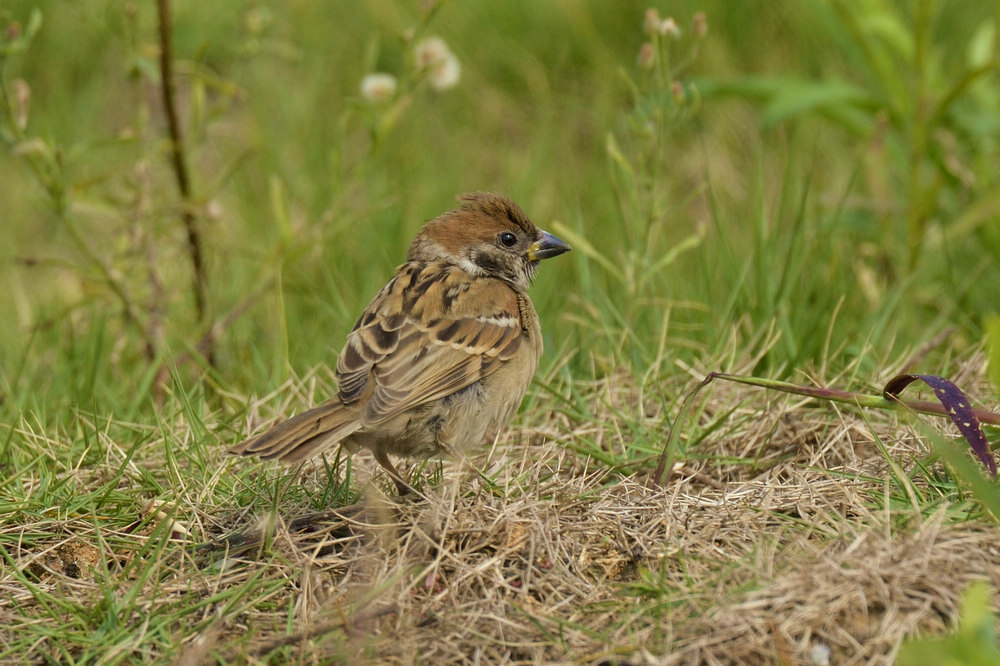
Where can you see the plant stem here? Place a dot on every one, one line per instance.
(180, 163)
(919, 199)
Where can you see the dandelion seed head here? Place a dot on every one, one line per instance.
(431, 51)
(445, 74)
(669, 28)
(378, 87)
(442, 67)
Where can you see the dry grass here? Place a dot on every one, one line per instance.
(809, 552)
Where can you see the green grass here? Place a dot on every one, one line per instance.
(808, 191)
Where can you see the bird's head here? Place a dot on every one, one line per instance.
(487, 235)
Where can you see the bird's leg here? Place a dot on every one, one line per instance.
(401, 486)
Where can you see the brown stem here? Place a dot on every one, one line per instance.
(819, 393)
(179, 162)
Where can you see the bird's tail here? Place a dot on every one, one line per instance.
(303, 435)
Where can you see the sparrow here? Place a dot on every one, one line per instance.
(442, 356)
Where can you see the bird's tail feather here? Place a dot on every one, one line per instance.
(303, 435)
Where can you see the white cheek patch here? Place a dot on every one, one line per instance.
(469, 267)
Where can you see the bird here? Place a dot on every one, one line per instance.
(443, 355)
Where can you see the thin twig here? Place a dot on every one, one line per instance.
(180, 164)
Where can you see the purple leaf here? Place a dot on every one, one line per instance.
(958, 408)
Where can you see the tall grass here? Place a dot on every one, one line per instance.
(704, 229)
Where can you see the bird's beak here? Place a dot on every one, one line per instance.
(545, 247)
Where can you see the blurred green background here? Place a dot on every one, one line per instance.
(811, 183)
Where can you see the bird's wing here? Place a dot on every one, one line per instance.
(431, 331)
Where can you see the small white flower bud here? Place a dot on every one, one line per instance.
(668, 28)
(651, 22)
(442, 67)
(378, 87)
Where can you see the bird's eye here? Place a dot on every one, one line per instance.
(507, 239)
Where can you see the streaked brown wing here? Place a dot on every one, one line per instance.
(430, 332)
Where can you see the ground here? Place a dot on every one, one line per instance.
(534, 553)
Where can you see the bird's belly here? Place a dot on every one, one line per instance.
(462, 420)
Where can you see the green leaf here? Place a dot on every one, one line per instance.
(993, 350)
(34, 24)
(786, 97)
(891, 32)
(982, 46)
(974, 644)
(801, 97)
(752, 87)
